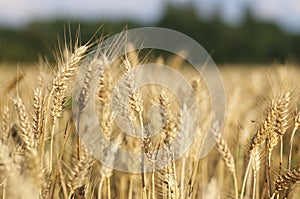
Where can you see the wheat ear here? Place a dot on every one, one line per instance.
(279, 123)
(26, 131)
(38, 114)
(256, 141)
(169, 130)
(84, 93)
(79, 173)
(5, 124)
(226, 154)
(136, 104)
(58, 91)
(286, 181)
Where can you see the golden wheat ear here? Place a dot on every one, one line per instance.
(80, 171)
(227, 156)
(38, 114)
(286, 182)
(5, 124)
(68, 66)
(26, 134)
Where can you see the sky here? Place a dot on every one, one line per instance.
(15, 13)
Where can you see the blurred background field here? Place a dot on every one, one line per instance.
(240, 32)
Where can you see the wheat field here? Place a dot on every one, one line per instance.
(256, 153)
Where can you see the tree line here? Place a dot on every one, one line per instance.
(249, 42)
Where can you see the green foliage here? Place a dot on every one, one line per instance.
(251, 41)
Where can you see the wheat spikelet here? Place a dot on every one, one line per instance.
(282, 113)
(26, 131)
(104, 97)
(79, 172)
(104, 92)
(135, 105)
(170, 127)
(59, 99)
(286, 181)
(38, 114)
(85, 90)
(275, 130)
(135, 98)
(66, 71)
(148, 145)
(279, 120)
(261, 133)
(226, 154)
(272, 128)
(5, 124)
(259, 137)
(278, 108)
(136, 102)
(169, 130)
(279, 124)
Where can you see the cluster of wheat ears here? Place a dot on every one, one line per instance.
(42, 156)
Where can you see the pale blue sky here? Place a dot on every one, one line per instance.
(17, 12)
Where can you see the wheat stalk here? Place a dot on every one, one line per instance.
(109, 155)
(296, 126)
